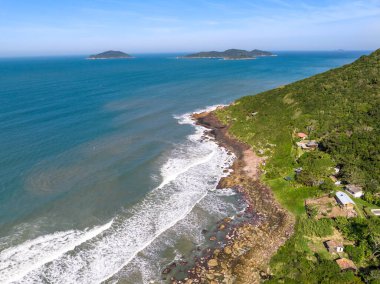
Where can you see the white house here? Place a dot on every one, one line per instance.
(344, 200)
(334, 246)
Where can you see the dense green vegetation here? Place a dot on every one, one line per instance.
(341, 110)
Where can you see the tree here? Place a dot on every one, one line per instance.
(316, 167)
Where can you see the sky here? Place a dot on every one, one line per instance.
(67, 27)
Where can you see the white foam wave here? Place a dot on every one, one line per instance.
(18, 261)
(187, 119)
(225, 192)
(192, 171)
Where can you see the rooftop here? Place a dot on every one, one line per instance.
(345, 263)
(354, 188)
(333, 243)
(344, 198)
(301, 135)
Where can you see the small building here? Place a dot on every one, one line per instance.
(354, 190)
(334, 246)
(308, 144)
(375, 212)
(301, 135)
(346, 264)
(344, 200)
(298, 170)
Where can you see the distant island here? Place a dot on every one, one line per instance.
(111, 54)
(230, 54)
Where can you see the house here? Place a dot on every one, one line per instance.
(301, 135)
(354, 190)
(334, 246)
(346, 264)
(375, 212)
(302, 145)
(298, 170)
(344, 200)
(307, 144)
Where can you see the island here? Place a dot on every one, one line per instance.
(230, 54)
(111, 54)
(308, 163)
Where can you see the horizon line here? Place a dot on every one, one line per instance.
(179, 52)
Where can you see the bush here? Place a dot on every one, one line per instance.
(327, 185)
(319, 228)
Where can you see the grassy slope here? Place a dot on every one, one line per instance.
(340, 108)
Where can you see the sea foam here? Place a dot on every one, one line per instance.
(191, 171)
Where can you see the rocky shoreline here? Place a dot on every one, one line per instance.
(248, 245)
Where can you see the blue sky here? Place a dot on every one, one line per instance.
(53, 27)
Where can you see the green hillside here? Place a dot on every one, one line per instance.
(340, 109)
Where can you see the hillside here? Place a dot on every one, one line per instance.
(230, 54)
(110, 55)
(340, 110)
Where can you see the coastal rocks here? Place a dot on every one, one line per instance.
(243, 253)
(212, 262)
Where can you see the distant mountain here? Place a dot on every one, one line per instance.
(230, 54)
(110, 55)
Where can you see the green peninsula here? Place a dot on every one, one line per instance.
(321, 137)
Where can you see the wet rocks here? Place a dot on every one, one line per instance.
(243, 253)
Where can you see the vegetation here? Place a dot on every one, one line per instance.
(316, 167)
(341, 110)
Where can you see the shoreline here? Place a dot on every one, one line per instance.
(244, 255)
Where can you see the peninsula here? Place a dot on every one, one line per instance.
(111, 54)
(305, 152)
(230, 54)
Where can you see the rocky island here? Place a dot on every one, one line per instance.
(111, 54)
(230, 54)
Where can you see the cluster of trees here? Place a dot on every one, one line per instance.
(316, 167)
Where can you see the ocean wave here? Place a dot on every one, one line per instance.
(190, 172)
(18, 261)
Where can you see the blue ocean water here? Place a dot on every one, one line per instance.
(98, 160)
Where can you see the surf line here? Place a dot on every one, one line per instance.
(56, 254)
(198, 162)
(155, 236)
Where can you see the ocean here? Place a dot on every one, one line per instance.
(103, 175)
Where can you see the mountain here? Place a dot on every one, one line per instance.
(111, 54)
(230, 54)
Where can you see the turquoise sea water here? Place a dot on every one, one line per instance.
(102, 175)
